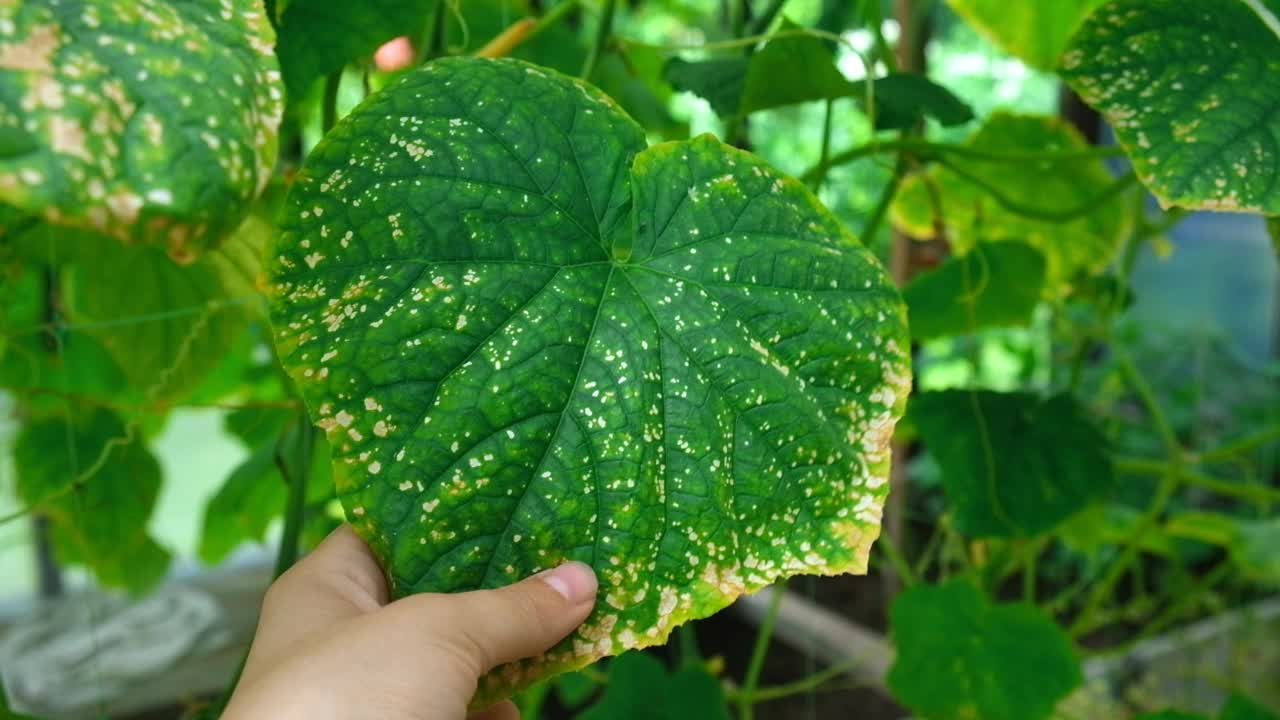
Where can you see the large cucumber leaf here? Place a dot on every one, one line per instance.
(1035, 32)
(145, 120)
(530, 339)
(1189, 86)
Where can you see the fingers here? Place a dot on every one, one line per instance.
(490, 627)
(505, 710)
(337, 581)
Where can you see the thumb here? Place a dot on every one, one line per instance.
(491, 627)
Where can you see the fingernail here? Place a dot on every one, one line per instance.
(575, 581)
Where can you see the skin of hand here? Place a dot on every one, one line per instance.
(330, 645)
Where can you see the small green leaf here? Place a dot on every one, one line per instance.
(1189, 87)
(792, 69)
(98, 484)
(1034, 32)
(1039, 190)
(640, 688)
(904, 99)
(530, 339)
(320, 37)
(1012, 464)
(252, 496)
(959, 657)
(1252, 543)
(1239, 707)
(719, 81)
(998, 284)
(151, 121)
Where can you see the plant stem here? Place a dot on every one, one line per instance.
(1260, 494)
(1237, 447)
(746, 695)
(329, 105)
(1014, 205)
(602, 37)
(925, 149)
(881, 208)
(825, 148)
(433, 42)
(1148, 399)
(896, 559)
(761, 24)
(804, 684)
(295, 470)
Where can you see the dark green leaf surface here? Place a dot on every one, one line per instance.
(1239, 707)
(640, 688)
(1189, 86)
(1012, 464)
(998, 284)
(960, 658)
(793, 69)
(719, 81)
(970, 213)
(252, 496)
(320, 37)
(149, 121)
(531, 339)
(904, 99)
(97, 483)
(1171, 715)
(1036, 32)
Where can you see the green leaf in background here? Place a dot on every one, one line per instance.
(320, 37)
(960, 658)
(1171, 715)
(904, 99)
(529, 339)
(1273, 229)
(719, 81)
(1239, 707)
(1035, 32)
(166, 325)
(971, 213)
(739, 86)
(1012, 464)
(1108, 524)
(575, 688)
(252, 496)
(639, 688)
(1189, 86)
(149, 121)
(998, 284)
(1251, 543)
(92, 476)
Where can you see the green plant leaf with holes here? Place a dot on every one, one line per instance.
(960, 657)
(998, 284)
(529, 338)
(1067, 208)
(1035, 32)
(1012, 464)
(1189, 86)
(148, 121)
(92, 476)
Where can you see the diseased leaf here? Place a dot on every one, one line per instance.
(530, 339)
(959, 657)
(97, 483)
(998, 284)
(1012, 464)
(1189, 86)
(320, 37)
(970, 213)
(149, 121)
(640, 688)
(1035, 32)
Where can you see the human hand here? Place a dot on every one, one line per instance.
(329, 645)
